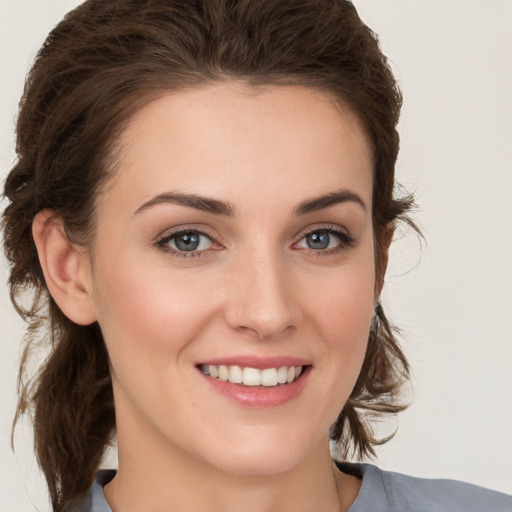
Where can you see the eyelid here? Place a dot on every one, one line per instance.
(186, 228)
(322, 227)
(347, 240)
(164, 237)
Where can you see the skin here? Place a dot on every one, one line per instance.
(254, 288)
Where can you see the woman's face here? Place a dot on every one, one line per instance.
(235, 239)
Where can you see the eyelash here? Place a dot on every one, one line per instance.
(346, 241)
(162, 243)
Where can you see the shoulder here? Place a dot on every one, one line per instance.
(95, 500)
(387, 491)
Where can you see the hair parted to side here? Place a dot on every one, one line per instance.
(102, 63)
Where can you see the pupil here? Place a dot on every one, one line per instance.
(318, 240)
(187, 242)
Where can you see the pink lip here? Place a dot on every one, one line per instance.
(258, 362)
(259, 396)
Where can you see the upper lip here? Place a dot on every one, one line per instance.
(258, 362)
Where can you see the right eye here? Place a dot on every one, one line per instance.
(186, 242)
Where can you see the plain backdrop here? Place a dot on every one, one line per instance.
(452, 297)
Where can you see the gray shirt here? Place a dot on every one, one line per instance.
(381, 491)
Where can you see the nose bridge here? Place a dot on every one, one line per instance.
(262, 302)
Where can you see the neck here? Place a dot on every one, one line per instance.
(161, 483)
(158, 476)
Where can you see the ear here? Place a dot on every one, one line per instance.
(66, 268)
(382, 258)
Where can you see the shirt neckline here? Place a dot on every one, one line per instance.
(369, 474)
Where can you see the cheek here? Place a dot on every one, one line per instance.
(345, 303)
(148, 323)
(343, 315)
(144, 315)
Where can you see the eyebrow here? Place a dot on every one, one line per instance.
(205, 204)
(326, 200)
(217, 207)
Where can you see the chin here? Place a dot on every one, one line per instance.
(265, 453)
(258, 464)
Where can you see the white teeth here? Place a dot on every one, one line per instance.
(235, 375)
(252, 377)
(282, 374)
(268, 377)
(223, 373)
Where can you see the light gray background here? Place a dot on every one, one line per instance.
(452, 298)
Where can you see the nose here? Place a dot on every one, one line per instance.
(262, 300)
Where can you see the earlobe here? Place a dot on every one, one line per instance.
(65, 266)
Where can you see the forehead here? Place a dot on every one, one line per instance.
(237, 142)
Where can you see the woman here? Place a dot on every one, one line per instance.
(203, 203)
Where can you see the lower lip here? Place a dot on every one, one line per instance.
(260, 396)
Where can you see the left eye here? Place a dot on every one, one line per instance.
(187, 241)
(320, 240)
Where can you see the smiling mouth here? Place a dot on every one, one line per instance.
(247, 376)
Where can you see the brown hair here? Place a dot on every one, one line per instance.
(102, 63)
